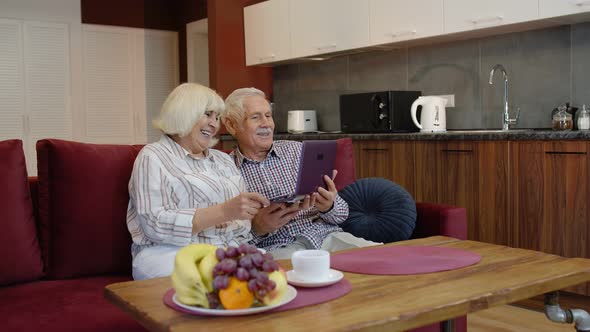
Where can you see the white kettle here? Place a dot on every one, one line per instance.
(432, 118)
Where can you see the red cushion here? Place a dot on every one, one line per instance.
(19, 248)
(83, 200)
(344, 163)
(63, 306)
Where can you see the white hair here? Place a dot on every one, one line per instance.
(234, 103)
(185, 106)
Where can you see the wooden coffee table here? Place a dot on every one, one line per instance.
(380, 303)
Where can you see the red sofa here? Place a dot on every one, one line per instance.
(64, 236)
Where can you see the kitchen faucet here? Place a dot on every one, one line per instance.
(506, 120)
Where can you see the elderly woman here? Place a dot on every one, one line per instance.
(183, 192)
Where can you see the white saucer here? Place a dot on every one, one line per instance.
(333, 277)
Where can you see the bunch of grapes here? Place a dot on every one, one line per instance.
(245, 263)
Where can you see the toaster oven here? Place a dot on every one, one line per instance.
(377, 112)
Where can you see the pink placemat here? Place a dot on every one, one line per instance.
(305, 297)
(403, 260)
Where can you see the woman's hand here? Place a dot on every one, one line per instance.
(244, 206)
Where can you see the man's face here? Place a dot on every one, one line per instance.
(255, 133)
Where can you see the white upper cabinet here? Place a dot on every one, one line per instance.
(552, 8)
(398, 20)
(463, 15)
(326, 26)
(266, 30)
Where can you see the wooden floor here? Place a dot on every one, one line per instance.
(513, 319)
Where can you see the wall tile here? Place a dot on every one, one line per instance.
(581, 64)
(378, 71)
(449, 69)
(327, 75)
(285, 79)
(538, 67)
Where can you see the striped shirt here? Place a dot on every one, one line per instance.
(168, 185)
(275, 176)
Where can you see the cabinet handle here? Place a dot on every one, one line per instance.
(487, 19)
(375, 149)
(565, 152)
(582, 3)
(457, 151)
(401, 33)
(325, 47)
(262, 58)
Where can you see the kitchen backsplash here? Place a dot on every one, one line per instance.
(545, 68)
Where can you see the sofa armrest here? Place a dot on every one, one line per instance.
(439, 219)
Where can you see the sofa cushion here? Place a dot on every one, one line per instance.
(379, 210)
(344, 163)
(83, 200)
(19, 247)
(63, 305)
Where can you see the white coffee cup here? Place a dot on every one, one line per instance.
(311, 265)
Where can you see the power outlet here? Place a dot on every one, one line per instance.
(450, 100)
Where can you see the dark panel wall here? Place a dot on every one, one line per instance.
(227, 59)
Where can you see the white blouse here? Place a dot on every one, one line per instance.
(168, 185)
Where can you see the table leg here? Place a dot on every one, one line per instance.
(449, 325)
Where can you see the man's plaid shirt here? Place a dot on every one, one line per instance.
(275, 176)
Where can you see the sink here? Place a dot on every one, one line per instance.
(486, 131)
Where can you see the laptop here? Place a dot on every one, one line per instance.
(316, 160)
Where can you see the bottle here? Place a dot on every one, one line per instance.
(583, 118)
(561, 119)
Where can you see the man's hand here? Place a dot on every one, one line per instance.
(276, 215)
(324, 199)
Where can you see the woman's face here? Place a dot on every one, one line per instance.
(202, 133)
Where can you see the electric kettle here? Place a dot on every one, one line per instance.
(432, 118)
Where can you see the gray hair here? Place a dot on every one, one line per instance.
(185, 106)
(234, 103)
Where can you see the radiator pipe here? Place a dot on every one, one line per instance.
(555, 313)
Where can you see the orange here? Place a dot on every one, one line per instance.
(236, 295)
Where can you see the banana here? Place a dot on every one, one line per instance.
(206, 268)
(189, 295)
(186, 278)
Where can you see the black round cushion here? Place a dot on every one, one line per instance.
(379, 210)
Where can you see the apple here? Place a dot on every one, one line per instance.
(276, 295)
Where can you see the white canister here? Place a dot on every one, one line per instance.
(301, 121)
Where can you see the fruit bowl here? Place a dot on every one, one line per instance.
(232, 278)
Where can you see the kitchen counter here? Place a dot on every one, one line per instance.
(518, 135)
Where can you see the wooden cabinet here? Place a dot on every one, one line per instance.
(551, 186)
(393, 160)
(528, 194)
(469, 174)
(325, 26)
(553, 8)
(398, 20)
(266, 30)
(464, 15)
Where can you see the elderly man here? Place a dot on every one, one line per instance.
(270, 168)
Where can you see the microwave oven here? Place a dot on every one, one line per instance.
(377, 112)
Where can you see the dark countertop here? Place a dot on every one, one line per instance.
(517, 135)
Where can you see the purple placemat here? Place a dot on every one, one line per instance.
(305, 297)
(403, 260)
